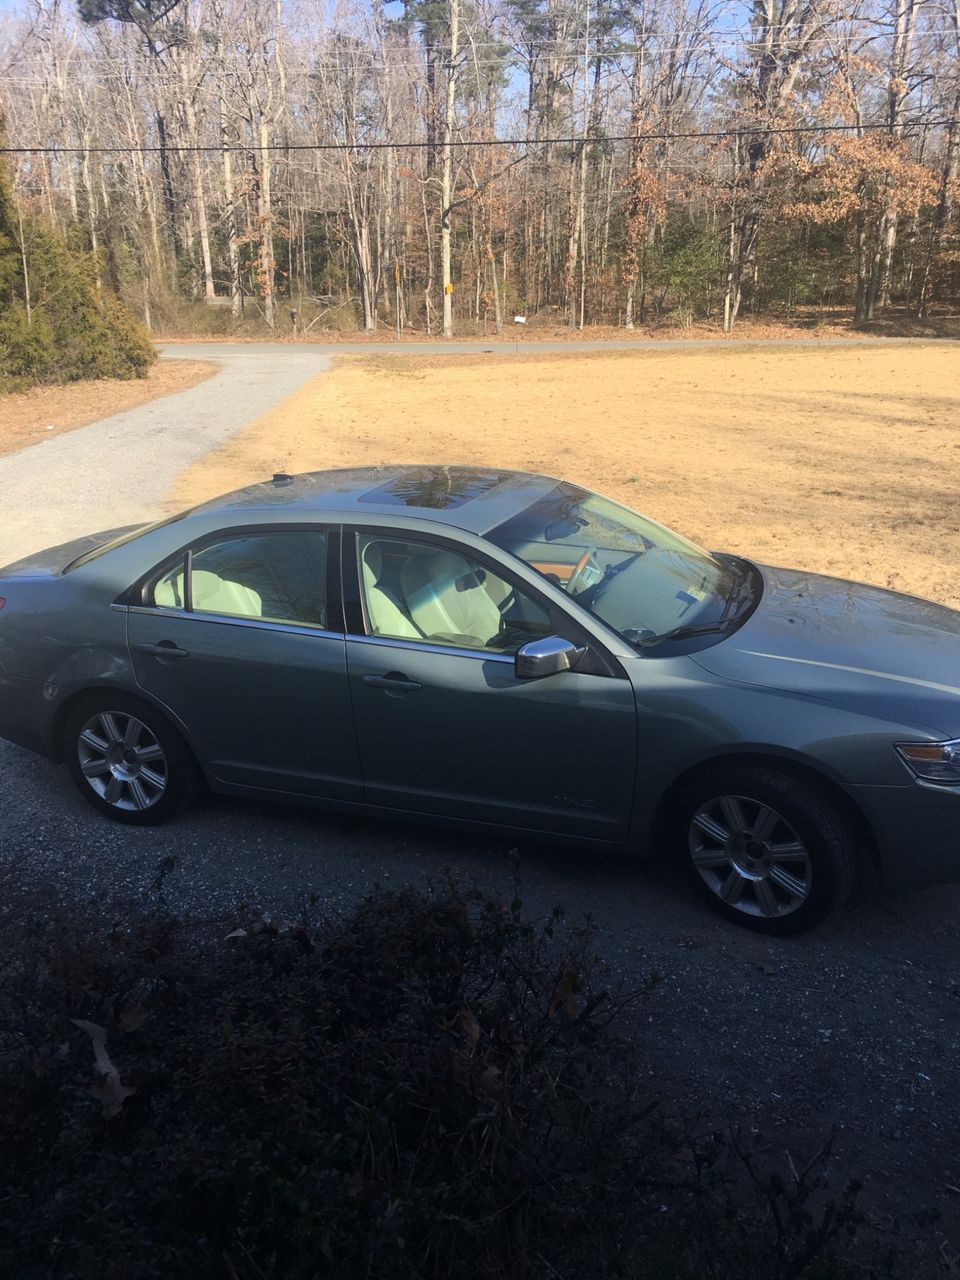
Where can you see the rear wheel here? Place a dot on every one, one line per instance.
(127, 760)
(769, 850)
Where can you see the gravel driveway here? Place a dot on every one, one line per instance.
(856, 1025)
(120, 470)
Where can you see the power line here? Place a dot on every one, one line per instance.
(675, 136)
(512, 56)
(570, 49)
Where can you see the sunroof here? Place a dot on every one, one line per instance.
(434, 487)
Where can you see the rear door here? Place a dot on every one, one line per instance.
(444, 725)
(240, 637)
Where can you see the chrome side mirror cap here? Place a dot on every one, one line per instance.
(546, 657)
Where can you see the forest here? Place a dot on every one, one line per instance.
(443, 166)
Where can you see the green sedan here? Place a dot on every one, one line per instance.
(501, 651)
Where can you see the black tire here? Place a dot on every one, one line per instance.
(808, 820)
(132, 783)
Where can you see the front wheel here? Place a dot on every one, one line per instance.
(769, 850)
(127, 760)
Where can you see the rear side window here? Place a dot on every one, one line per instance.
(274, 577)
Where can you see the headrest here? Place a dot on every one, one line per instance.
(373, 560)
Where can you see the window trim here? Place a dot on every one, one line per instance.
(134, 599)
(355, 622)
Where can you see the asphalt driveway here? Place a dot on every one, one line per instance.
(854, 1026)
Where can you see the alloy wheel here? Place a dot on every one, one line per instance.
(122, 761)
(750, 857)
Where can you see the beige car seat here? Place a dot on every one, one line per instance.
(446, 598)
(384, 614)
(211, 594)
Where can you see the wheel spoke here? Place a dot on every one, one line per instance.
(114, 788)
(766, 898)
(94, 768)
(93, 741)
(153, 779)
(732, 887)
(733, 814)
(139, 794)
(131, 735)
(789, 851)
(707, 858)
(152, 752)
(790, 884)
(109, 723)
(710, 827)
(765, 823)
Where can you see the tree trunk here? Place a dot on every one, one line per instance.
(945, 203)
(266, 266)
(199, 197)
(230, 214)
(446, 182)
(904, 22)
(861, 305)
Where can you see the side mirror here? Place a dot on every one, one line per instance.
(546, 657)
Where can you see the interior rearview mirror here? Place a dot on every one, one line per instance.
(546, 657)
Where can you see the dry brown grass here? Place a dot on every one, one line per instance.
(810, 323)
(29, 416)
(836, 460)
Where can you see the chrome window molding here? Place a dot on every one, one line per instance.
(225, 619)
(424, 646)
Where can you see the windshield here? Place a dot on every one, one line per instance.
(636, 576)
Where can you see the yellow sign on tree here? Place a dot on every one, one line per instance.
(448, 288)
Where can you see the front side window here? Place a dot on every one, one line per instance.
(274, 577)
(421, 591)
(633, 574)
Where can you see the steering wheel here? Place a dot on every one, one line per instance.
(573, 582)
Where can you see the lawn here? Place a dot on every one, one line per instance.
(837, 459)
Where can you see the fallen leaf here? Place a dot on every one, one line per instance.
(471, 1027)
(490, 1082)
(132, 1017)
(108, 1088)
(237, 933)
(563, 993)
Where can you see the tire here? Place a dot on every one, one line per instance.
(127, 760)
(769, 850)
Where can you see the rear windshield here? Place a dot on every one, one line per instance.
(127, 535)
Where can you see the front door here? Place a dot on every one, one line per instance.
(233, 639)
(445, 727)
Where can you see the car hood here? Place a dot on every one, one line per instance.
(55, 559)
(872, 651)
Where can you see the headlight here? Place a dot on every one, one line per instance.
(934, 761)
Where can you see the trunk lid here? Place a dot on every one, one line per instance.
(53, 560)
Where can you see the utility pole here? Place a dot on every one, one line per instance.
(446, 178)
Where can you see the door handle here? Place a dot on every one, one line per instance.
(162, 649)
(392, 682)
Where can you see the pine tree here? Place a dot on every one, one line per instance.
(55, 324)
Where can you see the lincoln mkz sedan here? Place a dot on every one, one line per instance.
(502, 651)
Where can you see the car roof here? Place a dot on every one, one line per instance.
(473, 498)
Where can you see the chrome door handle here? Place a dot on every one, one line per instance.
(162, 649)
(392, 682)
